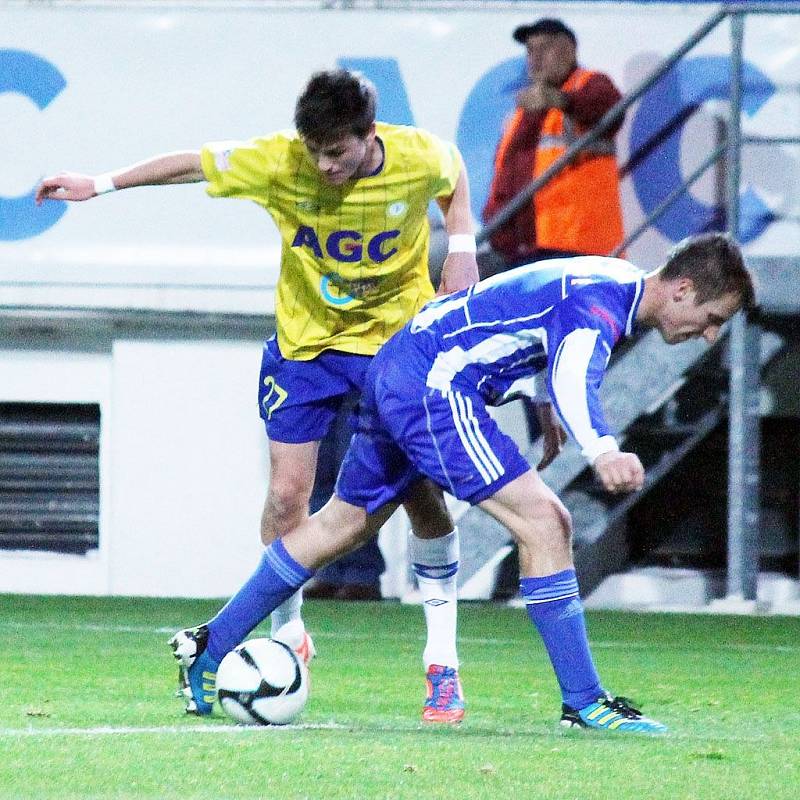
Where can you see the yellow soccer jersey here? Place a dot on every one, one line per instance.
(354, 258)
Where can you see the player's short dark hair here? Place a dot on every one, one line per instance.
(547, 26)
(333, 103)
(715, 265)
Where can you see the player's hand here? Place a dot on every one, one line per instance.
(459, 271)
(619, 472)
(554, 437)
(65, 186)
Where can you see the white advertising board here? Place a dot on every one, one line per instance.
(92, 87)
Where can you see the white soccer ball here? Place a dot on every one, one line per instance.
(262, 682)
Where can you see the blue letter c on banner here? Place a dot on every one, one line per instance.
(38, 80)
(655, 146)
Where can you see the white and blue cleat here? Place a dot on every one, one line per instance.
(197, 671)
(609, 713)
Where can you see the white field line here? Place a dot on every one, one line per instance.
(268, 730)
(393, 636)
(129, 730)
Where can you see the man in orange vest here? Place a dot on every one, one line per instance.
(577, 212)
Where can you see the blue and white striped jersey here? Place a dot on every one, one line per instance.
(544, 330)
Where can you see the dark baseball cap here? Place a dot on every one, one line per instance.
(546, 26)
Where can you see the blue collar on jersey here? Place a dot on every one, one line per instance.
(383, 158)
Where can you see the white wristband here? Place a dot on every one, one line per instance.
(103, 184)
(601, 445)
(461, 243)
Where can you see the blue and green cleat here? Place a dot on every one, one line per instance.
(197, 671)
(609, 713)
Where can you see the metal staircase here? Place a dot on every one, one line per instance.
(664, 401)
(631, 397)
(662, 438)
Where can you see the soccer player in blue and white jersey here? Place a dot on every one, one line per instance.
(349, 196)
(545, 330)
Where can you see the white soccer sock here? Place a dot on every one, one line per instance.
(435, 563)
(287, 624)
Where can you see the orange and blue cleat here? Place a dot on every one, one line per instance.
(445, 701)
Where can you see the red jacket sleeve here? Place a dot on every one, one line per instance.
(589, 103)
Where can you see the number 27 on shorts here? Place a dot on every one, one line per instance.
(273, 396)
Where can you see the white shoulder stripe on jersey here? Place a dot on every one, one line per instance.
(467, 315)
(436, 309)
(472, 326)
(569, 385)
(634, 307)
(449, 363)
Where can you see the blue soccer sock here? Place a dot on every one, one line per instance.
(277, 576)
(554, 606)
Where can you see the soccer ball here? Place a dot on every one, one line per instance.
(262, 682)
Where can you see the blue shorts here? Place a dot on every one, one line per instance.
(299, 400)
(406, 431)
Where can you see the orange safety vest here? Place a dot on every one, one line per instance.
(579, 209)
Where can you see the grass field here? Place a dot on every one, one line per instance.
(88, 710)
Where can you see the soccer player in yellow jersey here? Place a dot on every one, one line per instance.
(349, 196)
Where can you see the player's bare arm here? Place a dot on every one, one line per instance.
(179, 167)
(460, 267)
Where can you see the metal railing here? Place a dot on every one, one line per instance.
(744, 439)
(607, 121)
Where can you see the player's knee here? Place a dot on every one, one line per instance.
(286, 506)
(563, 522)
(549, 524)
(559, 519)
